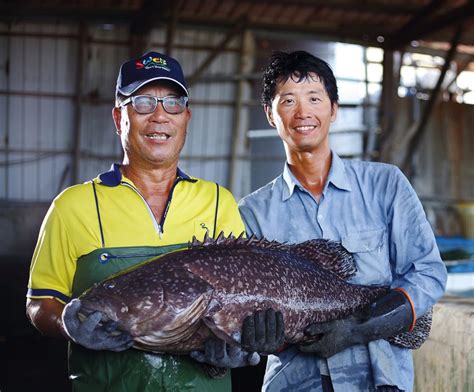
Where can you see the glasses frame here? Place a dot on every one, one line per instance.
(157, 100)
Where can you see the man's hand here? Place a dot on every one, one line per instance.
(386, 317)
(264, 332)
(218, 353)
(90, 334)
(336, 335)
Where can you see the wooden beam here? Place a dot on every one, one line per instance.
(407, 166)
(238, 29)
(143, 22)
(387, 104)
(454, 17)
(461, 67)
(80, 60)
(393, 41)
(171, 26)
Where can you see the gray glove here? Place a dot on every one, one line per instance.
(264, 332)
(92, 335)
(387, 316)
(218, 353)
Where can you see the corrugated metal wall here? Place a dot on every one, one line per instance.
(36, 99)
(57, 84)
(43, 104)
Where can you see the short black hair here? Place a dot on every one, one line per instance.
(282, 65)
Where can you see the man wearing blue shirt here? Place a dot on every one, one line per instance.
(371, 209)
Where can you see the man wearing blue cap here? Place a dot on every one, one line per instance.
(141, 208)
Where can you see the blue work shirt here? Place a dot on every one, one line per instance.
(374, 212)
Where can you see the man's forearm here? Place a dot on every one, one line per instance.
(45, 315)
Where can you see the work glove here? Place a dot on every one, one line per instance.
(92, 335)
(386, 317)
(263, 332)
(220, 354)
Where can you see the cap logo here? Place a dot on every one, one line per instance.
(151, 62)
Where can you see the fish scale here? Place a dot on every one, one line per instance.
(175, 302)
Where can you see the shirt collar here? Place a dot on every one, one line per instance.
(337, 176)
(113, 176)
(290, 180)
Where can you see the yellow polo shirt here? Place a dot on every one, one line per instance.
(79, 222)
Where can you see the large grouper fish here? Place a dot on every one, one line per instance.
(175, 302)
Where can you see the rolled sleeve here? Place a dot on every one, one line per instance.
(417, 264)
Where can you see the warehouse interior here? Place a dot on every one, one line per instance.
(405, 72)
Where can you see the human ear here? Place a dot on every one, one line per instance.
(334, 108)
(117, 116)
(268, 112)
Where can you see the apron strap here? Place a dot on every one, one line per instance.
(98, 214)
(217, 209)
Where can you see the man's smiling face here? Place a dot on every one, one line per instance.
(302, 112)
(154, 139)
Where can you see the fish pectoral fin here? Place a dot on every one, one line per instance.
(222, 333)
(209, 322)
(177, 327)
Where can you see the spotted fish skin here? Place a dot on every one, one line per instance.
(175, 302)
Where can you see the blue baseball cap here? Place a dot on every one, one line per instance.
(151, 66)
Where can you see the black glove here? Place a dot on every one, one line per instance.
(263, 332)
(218, 353)
(387, 316)
(92, 335)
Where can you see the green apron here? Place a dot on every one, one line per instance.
(131, 370)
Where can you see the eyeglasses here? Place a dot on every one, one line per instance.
(145, 104)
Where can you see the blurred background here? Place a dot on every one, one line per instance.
(405, 72)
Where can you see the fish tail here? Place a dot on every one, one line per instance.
(415, 338)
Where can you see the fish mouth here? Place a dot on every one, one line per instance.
(107, 309)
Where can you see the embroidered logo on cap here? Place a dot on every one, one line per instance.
(151, 62)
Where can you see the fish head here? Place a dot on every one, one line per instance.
(124, 301)
(163, 301)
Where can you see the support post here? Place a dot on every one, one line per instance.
(389, 93)
(78, 103)
(171, 27)
(237, 172)
(407, 166)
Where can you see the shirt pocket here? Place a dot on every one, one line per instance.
(370, 251)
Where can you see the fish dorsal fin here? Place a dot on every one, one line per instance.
(221, 238)
(331, 255)
(239, 242)
(194, 242)
(328, 254)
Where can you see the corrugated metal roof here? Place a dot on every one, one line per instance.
(349, 20)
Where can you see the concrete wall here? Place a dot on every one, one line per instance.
(445, 363)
